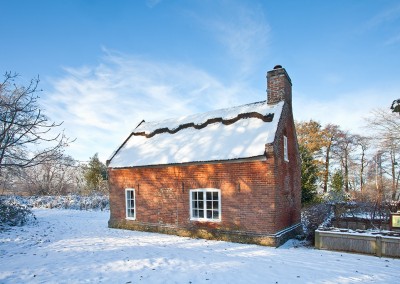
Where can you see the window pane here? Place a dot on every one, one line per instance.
(216, 214)
(194, 195)
(209, 204)
(201, 213)
(201, 204)
(209, 195)
(200, 196)
(195, 213)
(194, 205)
(215, 195)
(215, 204)
(130, 203)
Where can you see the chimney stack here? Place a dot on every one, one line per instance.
(279, 86)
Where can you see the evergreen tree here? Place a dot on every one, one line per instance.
(337, 181)
(95, 173)
(309, 176)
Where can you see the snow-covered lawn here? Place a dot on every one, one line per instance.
(67, 246)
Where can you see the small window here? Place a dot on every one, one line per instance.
(130, 204)
(285, 149)
(205, 204)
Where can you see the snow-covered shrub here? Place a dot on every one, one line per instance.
(14, 213)
(373, 215)
(336, 196)
(73, 201)
(314, 216)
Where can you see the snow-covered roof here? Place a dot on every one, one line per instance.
(226, 134)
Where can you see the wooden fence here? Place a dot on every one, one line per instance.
(378, 245)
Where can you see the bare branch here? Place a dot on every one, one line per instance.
(23, 125)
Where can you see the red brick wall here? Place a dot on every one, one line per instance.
(160, 199)
(288, 193)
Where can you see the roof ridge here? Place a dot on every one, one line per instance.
(266, 118)
(203, 113)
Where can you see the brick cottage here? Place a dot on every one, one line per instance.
(230, 174)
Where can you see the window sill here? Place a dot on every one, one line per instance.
(130, 218)
(205, 220)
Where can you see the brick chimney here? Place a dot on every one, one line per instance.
(279, 86)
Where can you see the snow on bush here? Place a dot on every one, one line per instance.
(13, 213)
(315, 216)
(73, 201)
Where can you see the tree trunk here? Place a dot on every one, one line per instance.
(362, 170)
(346, 172)
(326, 173)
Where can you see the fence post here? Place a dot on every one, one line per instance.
(379, 246)
(317, 240)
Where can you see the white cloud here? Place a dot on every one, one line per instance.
(242, 30)
(387, 15)
(347, 110)
(101, 104)
(152, 3)
(393, 40)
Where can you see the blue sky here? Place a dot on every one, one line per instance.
(106, 65)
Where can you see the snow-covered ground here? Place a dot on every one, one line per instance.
(68, 246)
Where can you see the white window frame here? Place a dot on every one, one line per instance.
(128, 204)
(285, 149)
(205, 208)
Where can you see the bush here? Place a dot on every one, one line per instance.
(314, 216)
(12, 213)
(72, 201)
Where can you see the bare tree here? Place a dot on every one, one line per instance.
(386, 128)
(25, 138)
(330, 136)
(390, 149)
(343, 151)
(363, 144)
(56, 177)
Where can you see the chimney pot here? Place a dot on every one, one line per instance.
(278, 66)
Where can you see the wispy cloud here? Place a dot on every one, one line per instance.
(386, 22)
(152, 3)
(388, 15)
(348, 110)
(101, 104)
(393, 40)
(242, 30)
